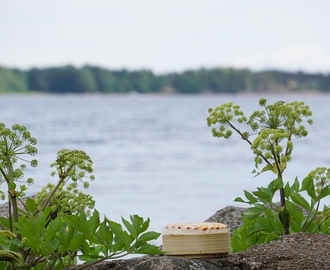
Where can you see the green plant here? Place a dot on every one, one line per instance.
(274, 128)
(60, 225)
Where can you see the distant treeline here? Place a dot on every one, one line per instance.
(90, 79)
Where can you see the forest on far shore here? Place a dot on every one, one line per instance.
(92, 79)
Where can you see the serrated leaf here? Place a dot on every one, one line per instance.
(105, 234)
(76, 241)
(300, 200)
(119, 245)
(140, 224)
(85, 247)
(253, 212)
(261, 224)
(275, 185)
(264, 195)
(94, 222)
(5, 222)
(295, 185)
(120, 235)
(250, 197)
(239, 199)
(30, 205)
(131, 228)
(148, 249)
(65, 241)
(287, 190)
(148, 236)
(325, 192)
(52, 228)
(268, 167)
(307, 184)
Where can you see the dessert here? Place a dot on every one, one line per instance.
(195, 240)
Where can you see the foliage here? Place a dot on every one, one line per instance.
(91, 79)
(274, 128)
(13, 81)
(60, 225)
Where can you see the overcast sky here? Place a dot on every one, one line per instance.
(166, 35)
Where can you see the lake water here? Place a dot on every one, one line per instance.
(154, 155)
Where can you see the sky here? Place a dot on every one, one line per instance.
(166, 35)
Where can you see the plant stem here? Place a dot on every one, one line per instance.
(62, 178)
(247, 140)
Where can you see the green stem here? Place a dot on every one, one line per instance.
(248, 141)
(62, 178)
(310, 220)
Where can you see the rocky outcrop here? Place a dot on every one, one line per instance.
(230, 215)
(166, 263)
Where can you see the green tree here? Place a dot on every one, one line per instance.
(12, 81)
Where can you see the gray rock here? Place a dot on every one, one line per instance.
(168, 263)
(230, 215)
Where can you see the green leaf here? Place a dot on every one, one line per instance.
(268, 167)
(132, 228)
(239, 199)
(253, 212)
(325, 192)
(148, 249)
(66, 239)
(296, 214)
(120, 235)
(307, 184)
(264, 195)
(148, 236)
(85, 247)
(261, 224)
(76, 241)
(105, 234)
(295, 186)
(94, 222)
(52, 228)
(287, 190)
(300, 200)
(5, 222)
(275, 185)
(250, 197)
(54, 243)
(30, 205)
(140, 224)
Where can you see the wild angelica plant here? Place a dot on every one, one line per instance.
(270, 136)
(59, 225)
(15, 145)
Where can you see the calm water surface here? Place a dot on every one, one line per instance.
(154, 155)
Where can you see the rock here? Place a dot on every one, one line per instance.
(230, 215)
(296, 251)
(166, 263)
